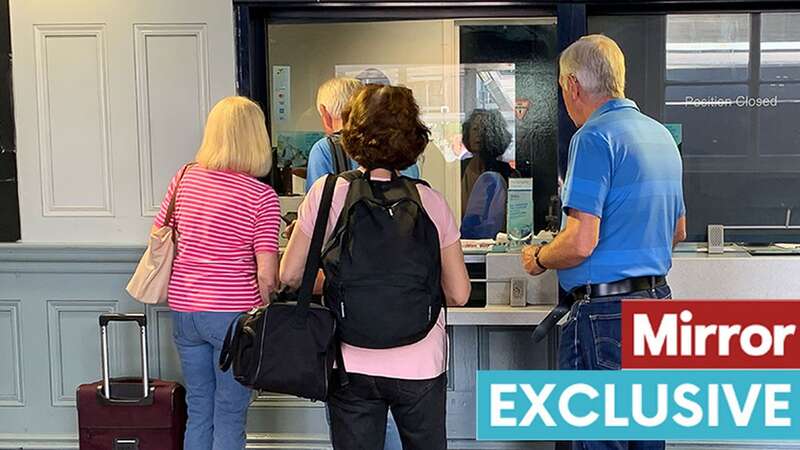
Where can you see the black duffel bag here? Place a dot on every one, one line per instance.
(288, 346)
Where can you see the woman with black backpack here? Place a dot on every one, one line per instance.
(392, 262)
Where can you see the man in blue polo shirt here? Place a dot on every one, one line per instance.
(332, 96)
(623, 212)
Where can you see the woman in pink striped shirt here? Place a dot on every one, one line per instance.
(226, 263)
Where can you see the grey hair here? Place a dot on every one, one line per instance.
(334, 94)
(598, 64)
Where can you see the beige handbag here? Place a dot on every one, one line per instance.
(150, 282)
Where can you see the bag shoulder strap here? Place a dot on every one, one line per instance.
(315, 249)
(231, 344)
(418, 181)
(351, 175)
(340, 161)
(171, 207)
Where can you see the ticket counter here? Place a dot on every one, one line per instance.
(52, 295)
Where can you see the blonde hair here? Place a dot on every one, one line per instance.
(236, 138)
(598, 64)
(334, 94)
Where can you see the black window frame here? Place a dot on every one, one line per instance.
(9, 198)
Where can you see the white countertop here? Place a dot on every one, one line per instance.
(501, 315)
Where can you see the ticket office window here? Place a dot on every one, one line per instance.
(487, 89)
(728, 88)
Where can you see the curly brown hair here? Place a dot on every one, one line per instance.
(382, 128)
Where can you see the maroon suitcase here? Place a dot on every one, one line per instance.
(130, 413)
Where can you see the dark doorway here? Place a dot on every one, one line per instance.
(9, 201)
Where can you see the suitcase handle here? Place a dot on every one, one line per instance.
(105, 319)
(141, 320)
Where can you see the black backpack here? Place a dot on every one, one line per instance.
(383, 264)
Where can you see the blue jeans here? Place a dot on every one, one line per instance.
(392, 440)
(590, 340)
(217, 403)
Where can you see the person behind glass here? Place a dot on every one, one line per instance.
(226, 263)
(623, 205)
(383, 132)
(486, 136)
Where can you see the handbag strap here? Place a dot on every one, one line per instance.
(171, 207)
(315, 249)
(230, 345)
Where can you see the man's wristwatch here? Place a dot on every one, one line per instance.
(536, 258)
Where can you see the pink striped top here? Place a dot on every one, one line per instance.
(223, 220)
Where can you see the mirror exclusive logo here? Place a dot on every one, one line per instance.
(687, 373)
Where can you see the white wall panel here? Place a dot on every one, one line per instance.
(10, 354)
(172, 102)
(74, 347)
(163, 355)
(74, 140)
(110, 99)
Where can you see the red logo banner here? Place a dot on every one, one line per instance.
(710, 334)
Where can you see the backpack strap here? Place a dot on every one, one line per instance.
(314, 258)
(351, 175)
(341, 163)
(418, 181)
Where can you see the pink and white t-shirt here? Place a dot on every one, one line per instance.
(223, 219)
(418, 361)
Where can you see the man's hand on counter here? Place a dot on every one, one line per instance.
(529, 260)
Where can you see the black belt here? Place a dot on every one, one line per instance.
(589, 291)
(616, 288)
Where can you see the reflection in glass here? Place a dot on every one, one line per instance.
(484, 177)
(528, 100)
(500, 73)
(780, 46)
(491, 87)
(713, 125)
(741, 162)
(429, 83)
(779, 130)
(708, 47)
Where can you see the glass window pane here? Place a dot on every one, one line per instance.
(779, 133)
(741, 198)
(496, 79)
(498, 104)
(708, 47)
(731, 176)
(780, 46)
(713, 125)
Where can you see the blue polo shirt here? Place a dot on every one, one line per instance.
(624, 168)
(320, 162)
